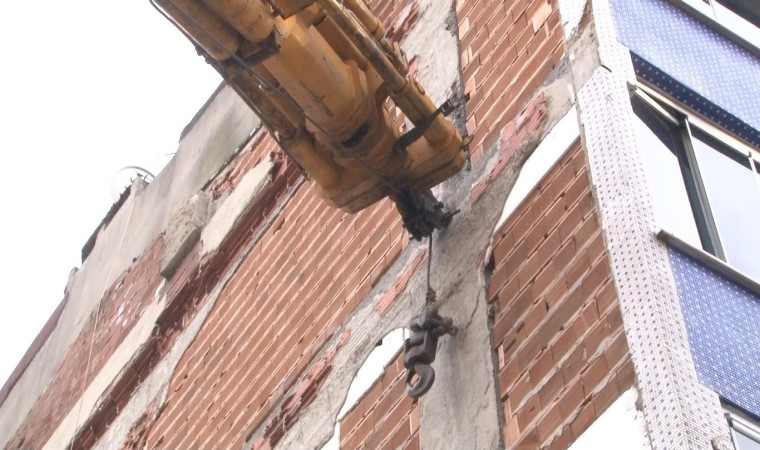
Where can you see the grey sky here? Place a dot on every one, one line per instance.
(86, 88)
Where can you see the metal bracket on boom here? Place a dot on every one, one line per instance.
(406, 139)
(422, 213)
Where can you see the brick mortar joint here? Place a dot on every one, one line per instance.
(167, 336)
(404, 265)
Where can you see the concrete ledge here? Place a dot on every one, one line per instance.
(253, 184)
(183, 232)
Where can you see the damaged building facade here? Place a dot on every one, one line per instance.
(602, 270)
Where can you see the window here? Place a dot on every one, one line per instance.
(745, 433)
(740, 18)
(746, 9)
(706, 186)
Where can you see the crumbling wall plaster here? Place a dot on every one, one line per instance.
(437, 66)
(229, 212)
(223, 126)
(153, 391)
(139, 334)
(465, 376)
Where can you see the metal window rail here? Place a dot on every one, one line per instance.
(724, 21)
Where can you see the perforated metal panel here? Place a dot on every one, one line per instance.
(723, 324)
(701, 60)
(681, 93)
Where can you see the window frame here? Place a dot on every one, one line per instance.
(725, 21)
(739, 422)
(684, 120)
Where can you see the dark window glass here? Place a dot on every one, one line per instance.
(734, 196)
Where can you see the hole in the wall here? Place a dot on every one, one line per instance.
(369, 372)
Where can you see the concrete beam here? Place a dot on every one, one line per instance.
(183, 232)
(253, 184)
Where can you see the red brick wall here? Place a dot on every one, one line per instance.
(261, 146)
(121, 307)
(388, 11)
(563, 357)
(123, 304)
(508, 48)
(385, 417)
(292, 292)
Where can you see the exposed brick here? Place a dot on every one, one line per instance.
(315, 265)
(123, 302)
(541, 366)
(517, 257)
(616, 350)
(509, 138)
(508, 375)
(563, 344)
(511, 432)
(414, 443)
(549, 392)
(585, 232)
(556, 292)
(503, 284)
(574, 363)
(540, 15)
(614, 318)
(593, 375)
(533, 321)
(400, 284)
(513, 311)
(529, 440)
(583, 420)
(605, 396)
(570, 401)
(528, 411)
(626, 376)
(303, 338)
(596, 334)
(548, 425)
(562, 441)
(605, 298)
(518, 394)
(390, 419)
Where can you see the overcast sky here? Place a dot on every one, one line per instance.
(86, 88)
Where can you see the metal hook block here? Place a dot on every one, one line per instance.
(420, 348)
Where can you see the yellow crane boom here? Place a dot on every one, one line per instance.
(319, 74)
